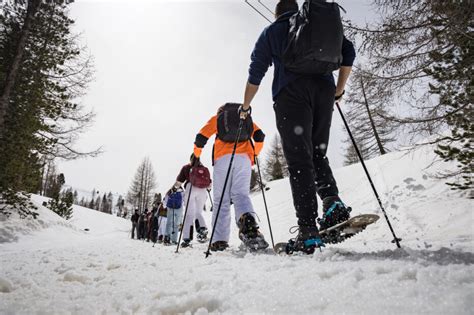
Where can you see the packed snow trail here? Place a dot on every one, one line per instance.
(57, 267)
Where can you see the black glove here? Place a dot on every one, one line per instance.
(338, 97)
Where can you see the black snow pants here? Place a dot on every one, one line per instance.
(303, 112)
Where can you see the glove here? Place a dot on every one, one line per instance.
(338, 97)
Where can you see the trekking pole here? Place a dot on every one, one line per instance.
(241, 124)
(256, 10)
(210, 199)
(395, 238)
(267, 8)
(185, 213)
(265, 201)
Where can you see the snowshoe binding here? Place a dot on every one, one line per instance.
(307, 240)
(249, 233)
(219, 246)
(334, 212)
(186, 243)
(202, 235)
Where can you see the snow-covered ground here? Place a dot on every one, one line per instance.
(52, 266)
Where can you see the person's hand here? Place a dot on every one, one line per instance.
(244, 111)
(338, 96)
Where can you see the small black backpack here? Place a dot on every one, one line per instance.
(314, 39)
(228, 120)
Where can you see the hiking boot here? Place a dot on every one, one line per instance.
(166, 241)
(219, 246)
(249, 233)
(202, 234)
(334, 212)
(306, 241)
(186, 243)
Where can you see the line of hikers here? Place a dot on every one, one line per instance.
(305, 47)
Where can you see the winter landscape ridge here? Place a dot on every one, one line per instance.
(54, 266)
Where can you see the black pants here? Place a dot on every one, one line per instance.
(134, 226)
(303, 112)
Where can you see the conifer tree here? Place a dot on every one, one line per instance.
(275, 163)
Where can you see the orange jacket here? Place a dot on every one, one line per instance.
(222, 148)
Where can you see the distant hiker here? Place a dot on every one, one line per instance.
(141, 225)
(162, 219)
(174, 204)
(196, 179)
(149, 224)
(225, 125)
(303, 102)
(134, 220)
(153, 225)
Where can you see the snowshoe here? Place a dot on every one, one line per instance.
(186, 243)
(342, 231)
(219, 246)
(307, 240)
(202, 235)
(249, 233)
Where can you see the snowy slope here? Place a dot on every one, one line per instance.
(57, 267)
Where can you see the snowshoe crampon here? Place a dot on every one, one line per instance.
(344, 230)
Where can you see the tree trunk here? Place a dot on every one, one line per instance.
(33, 6)
(377, 138)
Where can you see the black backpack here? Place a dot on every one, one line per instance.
(314, 39)
(228, 120)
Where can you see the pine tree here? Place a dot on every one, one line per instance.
(140, 194)
(43, 72)
(452, 71)
(421, 62)
(275, 163)
(97, 203)
(61, 202)
(364, 113)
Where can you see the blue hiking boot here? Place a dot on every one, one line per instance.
(334, 212)
(306, 241)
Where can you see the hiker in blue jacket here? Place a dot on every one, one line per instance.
(174, 203)
(303, 106)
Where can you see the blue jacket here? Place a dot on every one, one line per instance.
(269, 49)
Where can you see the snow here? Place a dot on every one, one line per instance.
(53, 266)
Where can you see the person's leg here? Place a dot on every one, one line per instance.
(294, 118)
(201, 197)
(222, 228)
(240, 189)
(177, 220)
(133, 229)
(190, 215)
(323, 105)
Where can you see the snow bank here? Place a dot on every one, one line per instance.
(12, 228)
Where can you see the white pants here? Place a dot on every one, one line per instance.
(195, 209)
(237, 190)
(162, 225)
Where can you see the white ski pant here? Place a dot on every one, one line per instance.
(237, 191)
(162, 225)
(195, 209)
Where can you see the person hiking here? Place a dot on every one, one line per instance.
(196, 179)
(134, 220)
(225, 126)
(142, 225)
(303, 105)
(162, 219)
(149, 225)
(154, 225)
(174, 204)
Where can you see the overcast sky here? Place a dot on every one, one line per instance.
(162, 69)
